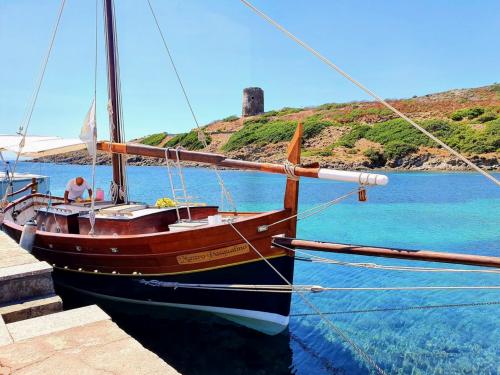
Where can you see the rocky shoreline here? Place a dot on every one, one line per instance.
(349, 136)
(423, 161)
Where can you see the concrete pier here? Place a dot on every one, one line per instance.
(37, 337)
(26, 287)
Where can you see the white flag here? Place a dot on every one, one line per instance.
(88, 134)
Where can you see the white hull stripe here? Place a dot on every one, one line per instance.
(268, 323)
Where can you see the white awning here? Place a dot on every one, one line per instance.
(37, 146)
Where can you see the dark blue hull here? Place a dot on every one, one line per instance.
(264, 311)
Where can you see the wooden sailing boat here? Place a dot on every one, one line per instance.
(138, 254)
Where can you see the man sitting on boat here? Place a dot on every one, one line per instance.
(75, 189)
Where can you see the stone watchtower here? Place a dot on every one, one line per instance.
(253, 101)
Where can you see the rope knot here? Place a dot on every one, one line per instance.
(290, 170)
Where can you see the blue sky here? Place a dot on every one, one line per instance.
(397, 48)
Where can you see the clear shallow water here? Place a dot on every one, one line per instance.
(457, 212)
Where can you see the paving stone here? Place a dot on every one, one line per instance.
(4, 334)
(31, 309)
(27, 287)
(97, 348)
(43, 325)
(24, 270)
(12, 254)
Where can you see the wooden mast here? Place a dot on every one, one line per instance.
(292, 184)
(114, 105)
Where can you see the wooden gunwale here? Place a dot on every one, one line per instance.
(135, 236)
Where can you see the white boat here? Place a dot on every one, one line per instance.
(22, 184)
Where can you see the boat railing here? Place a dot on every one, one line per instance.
(33, 185)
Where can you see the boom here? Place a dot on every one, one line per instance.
(361, 178)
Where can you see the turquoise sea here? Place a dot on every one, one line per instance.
(455, 212)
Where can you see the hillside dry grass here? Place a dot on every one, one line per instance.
(468, 120)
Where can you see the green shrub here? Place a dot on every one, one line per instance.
(355, 114)
(230, 118)
(256, 120)
(440, 128)
(397, 130)
(154, 139)
(460, 136)
(488, 116)
(189, 140)
(270, 114)
(313, 125)
(327, 151)
(287, 111)
(457, 116)
(260, 133)
(475, 112)
(397, 149)
(330, 106)
(470, 113)
(376, 157)
(492, 134)
(465, 139)
(357, 132)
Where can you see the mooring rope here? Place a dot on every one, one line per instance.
(307, 288)
(404, 308)
(368, 91)
(318, 259)
(313, 307)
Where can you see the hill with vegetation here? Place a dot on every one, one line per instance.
(360, 135)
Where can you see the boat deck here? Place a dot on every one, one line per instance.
(134, 218)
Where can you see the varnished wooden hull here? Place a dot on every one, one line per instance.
(132, 268)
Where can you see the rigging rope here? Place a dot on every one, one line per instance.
(313, 307)
(307, 288)
(23, 129)
(311, 211)
(94, 139)
(404, 308)
(368, 91)
(317, 259)
(311, 258)
(201, 135)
